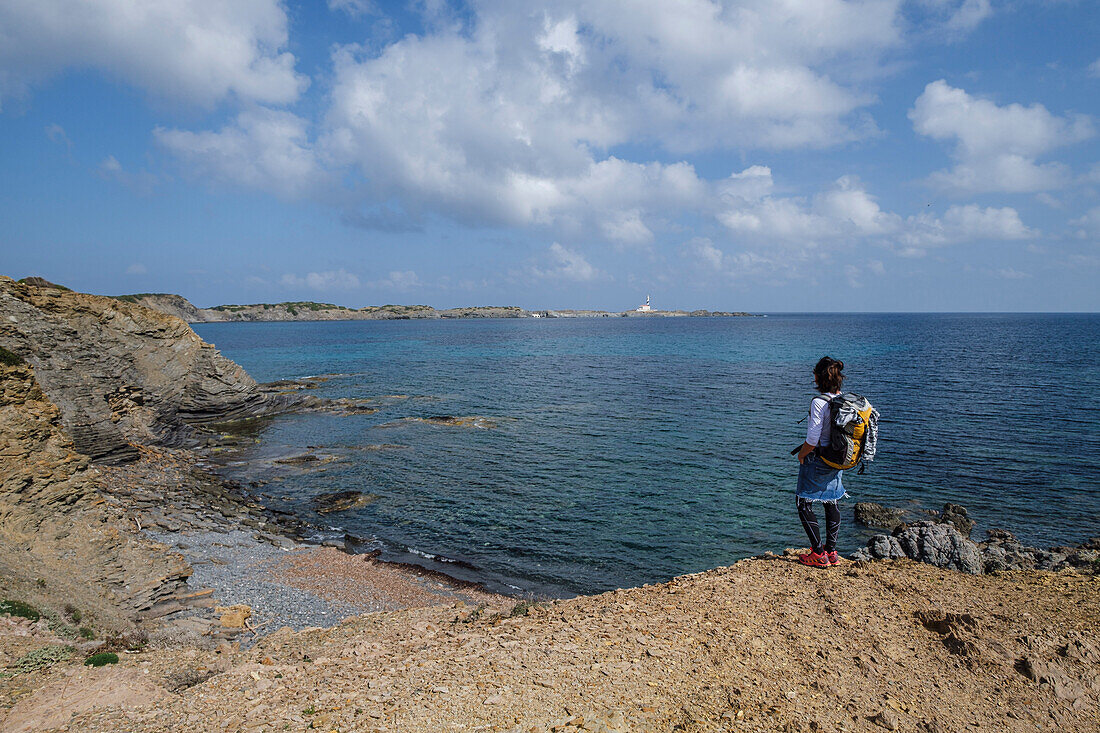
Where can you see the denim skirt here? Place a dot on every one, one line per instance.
(818, 482)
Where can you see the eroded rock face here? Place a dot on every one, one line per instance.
(59, 543)
(122, 373)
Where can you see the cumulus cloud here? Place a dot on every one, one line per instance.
(401, 281)
(264, 149)
(962, 224)
(506, 117)
(566, 264)
(845, 212)
(703, 251)
(996, 147)
(194, 51)
(328, 280)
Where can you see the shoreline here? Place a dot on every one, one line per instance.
(247, 554)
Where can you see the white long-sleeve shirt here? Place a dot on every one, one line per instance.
(817, 432)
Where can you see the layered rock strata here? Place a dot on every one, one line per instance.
(60, 545)
(122, 373)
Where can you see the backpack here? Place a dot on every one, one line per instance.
(853, 432)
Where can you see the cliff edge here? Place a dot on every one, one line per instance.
(122, 373)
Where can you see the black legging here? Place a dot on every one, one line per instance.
(809, 523)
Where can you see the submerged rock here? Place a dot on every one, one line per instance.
(870, 514)
(339, 501)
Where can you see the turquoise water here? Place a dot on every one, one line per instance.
(627, 451)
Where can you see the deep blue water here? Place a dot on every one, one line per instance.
(631, 450)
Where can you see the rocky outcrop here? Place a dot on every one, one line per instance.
(60, 545)
(930, 542)
(167, 303)
(122, 373)
(943, 544)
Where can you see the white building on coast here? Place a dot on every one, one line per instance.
(644, 308)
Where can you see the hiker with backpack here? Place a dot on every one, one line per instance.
(842, 431)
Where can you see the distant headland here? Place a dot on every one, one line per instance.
(177, 305)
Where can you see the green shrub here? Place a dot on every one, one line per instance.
(521, 609)
(9, 359)
(86, 632)
(101, 659)
(41, 658)
(19, 608)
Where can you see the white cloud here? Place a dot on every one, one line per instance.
(1094, 68)
(845, 212)
(1088, 224)
(329, 280)
(566, 264)
(952, 19)
(263, 149)
(354, 8)
(846, 202)
(703, 251)
(141, 182)
(503, 119)
(195, 51)
(110, 165)
(136, 269)
(962, 224)
(996, 147)
(56, 134)
(401, 280)
(969, 15)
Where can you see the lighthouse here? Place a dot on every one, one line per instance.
(644, 308)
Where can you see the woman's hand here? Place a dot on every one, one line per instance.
(807, 449)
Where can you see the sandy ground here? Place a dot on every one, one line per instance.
(763, 645)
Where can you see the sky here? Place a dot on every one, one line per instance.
(758, 155)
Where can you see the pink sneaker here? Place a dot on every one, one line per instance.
(814, 559)
(834, 559)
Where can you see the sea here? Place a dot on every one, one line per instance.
(599, 453)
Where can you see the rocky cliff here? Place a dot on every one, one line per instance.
(60, 545)
(122, 373)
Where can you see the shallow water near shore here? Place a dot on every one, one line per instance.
(615, 452)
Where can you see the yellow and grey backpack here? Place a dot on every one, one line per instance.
(853, 432)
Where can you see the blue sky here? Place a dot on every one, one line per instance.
(880, 155)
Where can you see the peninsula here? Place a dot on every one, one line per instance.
(180, 307)
(118, 545)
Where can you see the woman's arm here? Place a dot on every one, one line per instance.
(807, 449)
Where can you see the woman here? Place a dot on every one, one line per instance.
(816, 481)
